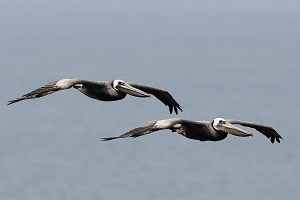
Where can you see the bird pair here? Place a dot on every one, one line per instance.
(214, 130)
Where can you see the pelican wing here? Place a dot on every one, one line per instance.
(42, 91)
(142, 130)
(162, 95)
(49, 88)
(268, 131)
(153, 126)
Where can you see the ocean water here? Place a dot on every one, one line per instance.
(234, 60)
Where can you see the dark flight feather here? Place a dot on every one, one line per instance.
(49, 88)
(163, 95)
(142, 130)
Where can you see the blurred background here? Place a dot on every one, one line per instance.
(233, 59)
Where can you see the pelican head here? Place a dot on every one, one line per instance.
(223, 125)
(120, 85)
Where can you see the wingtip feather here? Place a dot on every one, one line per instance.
(14, 101)
(108, 138)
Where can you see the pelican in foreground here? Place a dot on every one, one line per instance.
(103, 91)
(214, 130)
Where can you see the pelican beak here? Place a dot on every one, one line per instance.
(126, 88)
(229, 128)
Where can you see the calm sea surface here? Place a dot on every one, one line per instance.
(237, 61)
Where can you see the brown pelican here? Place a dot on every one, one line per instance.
(214, 130)
(103, 91)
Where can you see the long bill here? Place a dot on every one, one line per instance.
(229, 128)
(126, 88)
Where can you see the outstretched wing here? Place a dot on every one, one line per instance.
(142, 130)
(150, 127)
(162, 95)
(42, 91)
(268, 131)
(49, 88)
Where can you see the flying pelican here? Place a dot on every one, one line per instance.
(103, 91)
(214, 130)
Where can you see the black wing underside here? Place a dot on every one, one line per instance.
(268, 131)
(162, 95)
(47, 89)
(140, 131)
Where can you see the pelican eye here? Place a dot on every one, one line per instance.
(121, 83)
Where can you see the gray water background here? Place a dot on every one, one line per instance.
(233, 59)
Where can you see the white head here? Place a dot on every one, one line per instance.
(117, 83)
(218, 122)
(121, 86)
(221, 124)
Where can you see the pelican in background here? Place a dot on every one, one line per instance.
(103, 91)
(214, 130)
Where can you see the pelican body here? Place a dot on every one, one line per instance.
(214, 130)
(103, 91)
